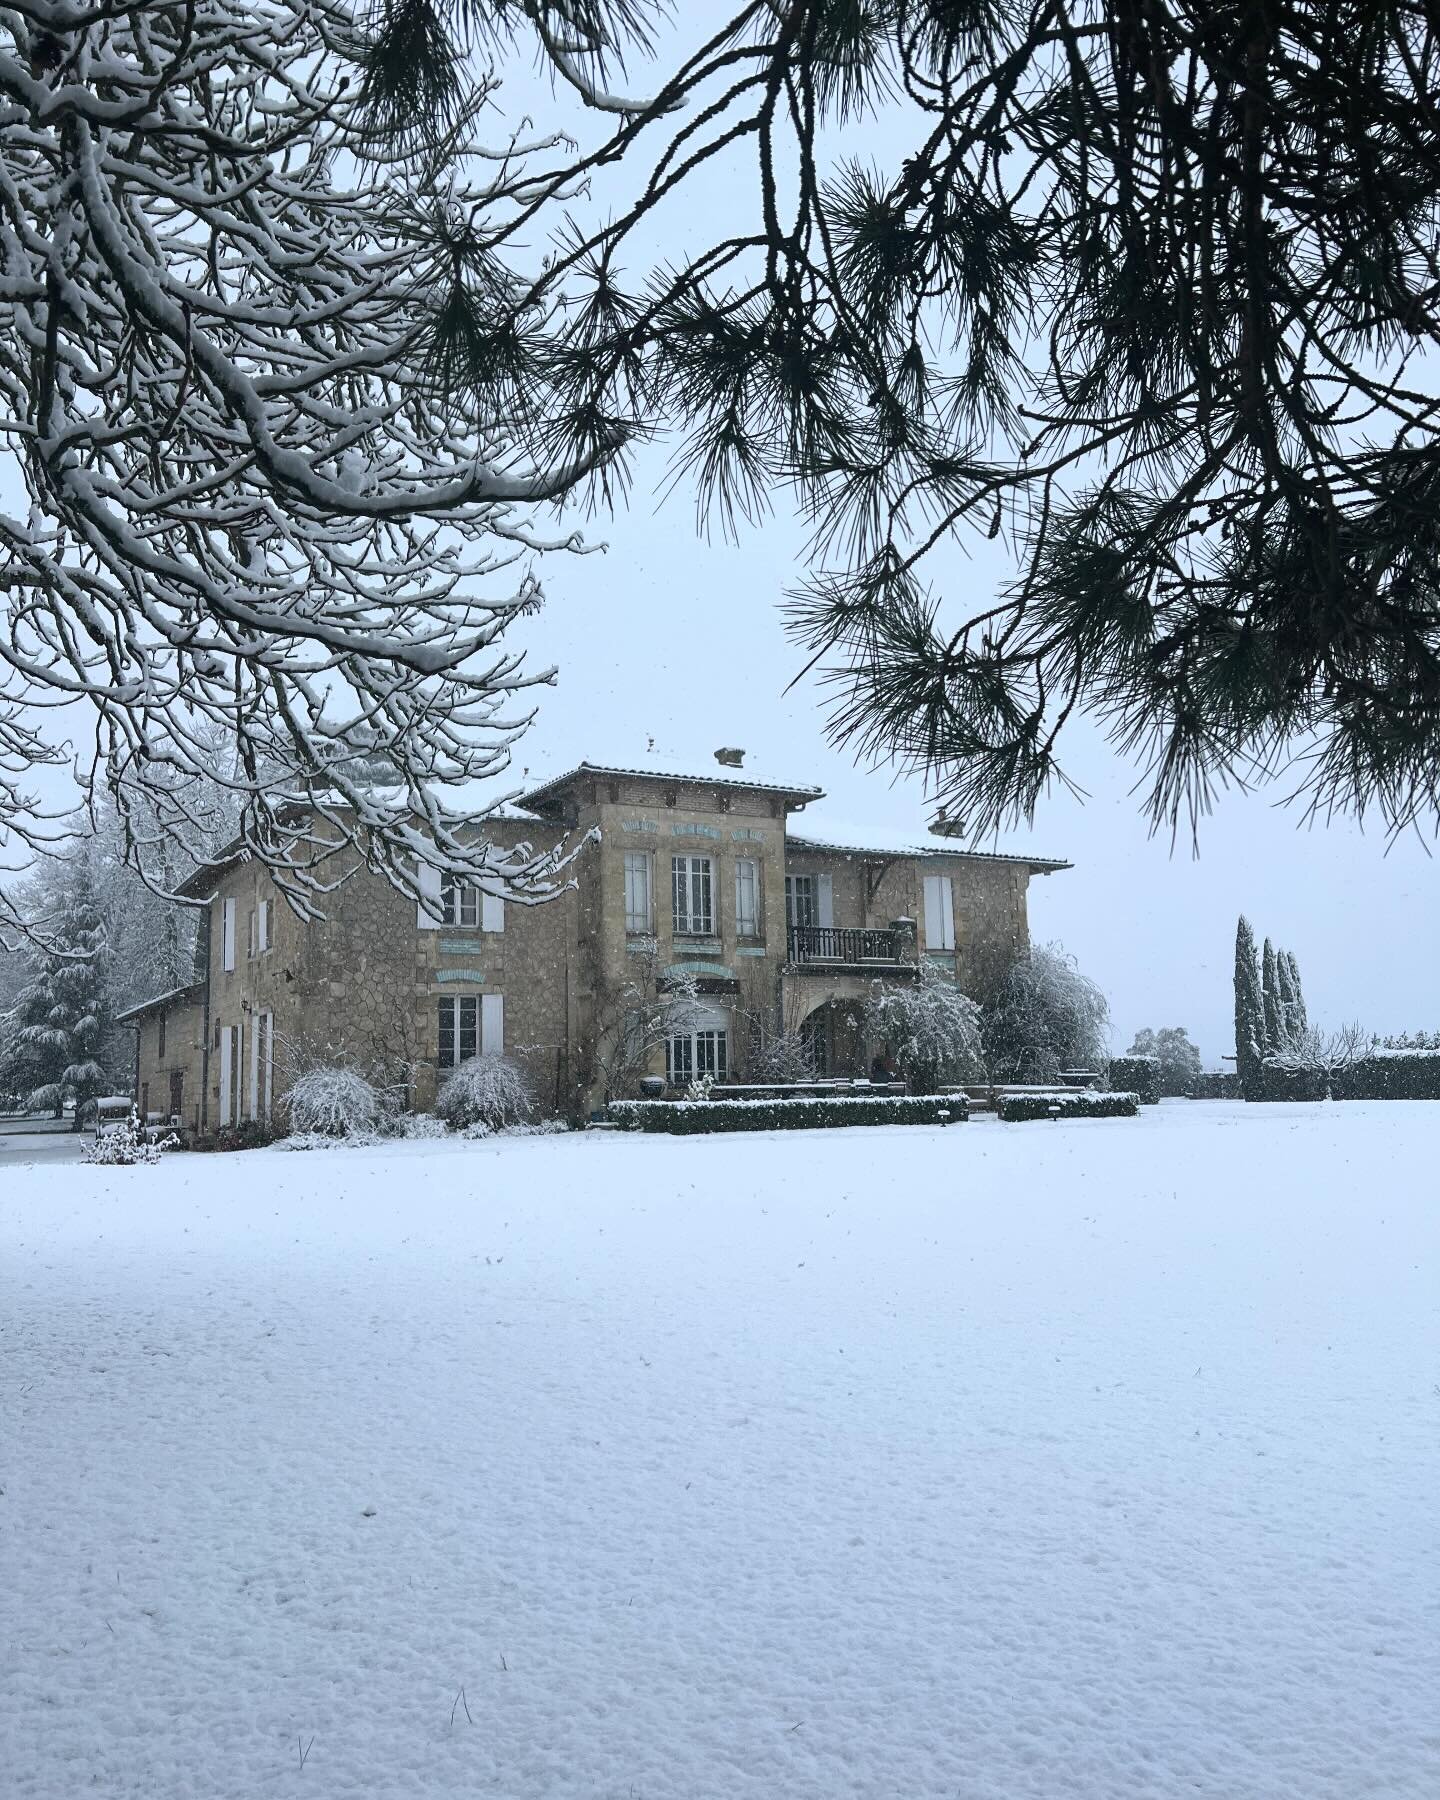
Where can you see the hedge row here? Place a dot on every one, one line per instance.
(1138, 1075)
(1215, 1084)
(1383, 1075)
(1016, 1108)
(681, 1117)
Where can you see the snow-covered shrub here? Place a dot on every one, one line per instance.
(1137, 1074)
(1045, 1017)
(334, 1103)
(683, 1117)
(932, 1029)
(1082, 1104)
(422, 1125)
(785, 1056)
(485, 1090)
(699, 1089)
(125, 1144)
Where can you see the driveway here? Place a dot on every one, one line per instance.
(40, 1141)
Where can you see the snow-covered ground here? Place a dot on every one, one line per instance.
(1085, 1460)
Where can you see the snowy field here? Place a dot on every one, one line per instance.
(1084, 1460)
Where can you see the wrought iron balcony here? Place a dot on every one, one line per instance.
(846, 946)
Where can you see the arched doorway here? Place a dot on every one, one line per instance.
(833, 1035)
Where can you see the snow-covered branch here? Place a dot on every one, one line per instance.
(252, 509)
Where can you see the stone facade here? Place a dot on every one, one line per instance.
(169, 1057)
(380, 984)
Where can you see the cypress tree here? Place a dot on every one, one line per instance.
(1300, 1022)
(1273, 1016)
(1285, 988)
(1249, 1012)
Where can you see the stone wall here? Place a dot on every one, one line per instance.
(183, 1026)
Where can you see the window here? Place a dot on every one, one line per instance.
(262, 1065)
(462, 905)
(470, 1025)
(459, 1029)
(639, 905)
(227, 935)
(705, 1050)
(160, 1039)
(262, 927)
(691, 891)
(799, 899)
(747, 898)
(939, 913)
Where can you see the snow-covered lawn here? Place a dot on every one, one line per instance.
(1071, 1460)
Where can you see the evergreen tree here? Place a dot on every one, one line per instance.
(1300, 1022)
(1272, 1013)
(60, 1037)
(1249, 1011)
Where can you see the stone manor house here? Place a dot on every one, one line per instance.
(701, 873)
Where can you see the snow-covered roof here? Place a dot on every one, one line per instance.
(540, 796)
(191, 990)
(832, 838)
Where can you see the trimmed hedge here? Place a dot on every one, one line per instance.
(1019, 1108)
(1382, 1075)
(1391, 1075)
(681, 1117)
(1290, 1084)
(1216, 1084)
(1137, 1075)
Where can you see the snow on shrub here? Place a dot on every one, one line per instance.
(1138, 1074)
(486, 1090)
(422, 1125)
(334, 1103)
(125, 1144)
(933, 1029)
(1019, 1108)
(682, 1117)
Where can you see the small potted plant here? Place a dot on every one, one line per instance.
(652, 1087)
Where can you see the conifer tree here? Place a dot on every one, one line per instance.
(61, 1026)
(1272, 1008)
(1299, 1021)
(1249, 1012)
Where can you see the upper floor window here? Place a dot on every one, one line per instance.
(461, 904)
(692, 886)
(747, 897)
(800, 900)
(939, 913)
(639, 901)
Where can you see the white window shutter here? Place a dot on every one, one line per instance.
(939, 913)
(492, 912)
(227, 934)
(430, 888)
(492, 1024)
(227, 1066)
(255, 1030)
(824, 901)
(263, 922)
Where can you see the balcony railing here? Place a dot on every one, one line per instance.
(845, 944)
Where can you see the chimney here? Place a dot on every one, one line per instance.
(730, 758)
